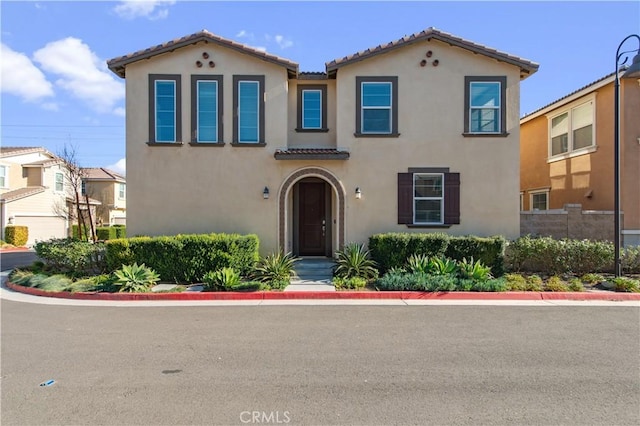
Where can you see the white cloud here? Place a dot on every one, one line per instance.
(243, 33)
(150, 9)
(21, 77)
(119, 167)
(81, 73)
(283, 42)
(50, 106)
(119, 111)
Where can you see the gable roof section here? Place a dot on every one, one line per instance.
(584, 90)
(118, 65)
(18, 194)
(526, 67)
(100, 173)
(11, 151)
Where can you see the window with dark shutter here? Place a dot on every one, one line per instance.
(405, 198)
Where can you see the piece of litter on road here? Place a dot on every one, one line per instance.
(47, 383)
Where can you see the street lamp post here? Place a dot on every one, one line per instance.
(633, 71)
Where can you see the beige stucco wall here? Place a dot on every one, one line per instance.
(182, 189)
(571, 179)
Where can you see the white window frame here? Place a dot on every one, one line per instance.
(568, 109)
(4, 176)
(198, 111)
(55, 182)
(303, 109)
(497, 108)
(521, 201)
(441, 198)
(83, 187)
(540, 192)
(121, 191)
(257, 84)
(175, 111)
(363, 108)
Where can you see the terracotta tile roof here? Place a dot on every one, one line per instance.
(118, 65)
(9, 151)
(526, 67)
(311, 154)
(312, 75)
(100, 173)
(17, 194)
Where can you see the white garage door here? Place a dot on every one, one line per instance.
(43, 227)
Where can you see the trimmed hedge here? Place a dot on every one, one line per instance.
(16, 235)
(104, 233)
(185, 258)
(392, 250)
(75, 234)
(121, 231)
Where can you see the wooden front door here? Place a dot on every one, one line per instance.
(312, 222)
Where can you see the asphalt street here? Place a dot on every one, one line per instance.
(15, 259)
(320, 365)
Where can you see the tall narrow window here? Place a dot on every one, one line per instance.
(164, 108)
(560, 134)
(377, 106)
(3, 176)
(249, 109)
(485, 112)
(311, 109)
(121, 191)
(59, 182)
(206, 109)
(83, 188)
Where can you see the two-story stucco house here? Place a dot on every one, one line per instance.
(417, 135)
(567, 153)
(110, 189)
(33, 192)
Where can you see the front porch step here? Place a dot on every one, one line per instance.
(314, 269)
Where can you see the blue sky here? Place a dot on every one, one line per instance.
(56, 89)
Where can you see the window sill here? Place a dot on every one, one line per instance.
(426, 225)
(208, 144)
(323, 130)
(249, 144)
(576, 153)
(376, 135)
(485, 135)
(164, 143)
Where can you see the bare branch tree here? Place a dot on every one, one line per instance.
(74, 176)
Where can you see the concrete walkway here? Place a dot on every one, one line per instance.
(312, 274)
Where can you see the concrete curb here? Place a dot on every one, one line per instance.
(339, 295)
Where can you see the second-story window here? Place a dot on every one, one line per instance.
(83, 188)
(248, 100)
(377, 109)
(206, 109)
(312, 108)
(485, 99)
(121, 191)
(3, 176)
(59, 183)
(572, 130)
(164, 108)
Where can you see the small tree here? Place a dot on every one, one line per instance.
(74, 175)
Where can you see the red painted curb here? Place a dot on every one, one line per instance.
(9, 250)
(338, 295)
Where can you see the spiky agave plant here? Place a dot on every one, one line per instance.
(354, 261)
(135, 278)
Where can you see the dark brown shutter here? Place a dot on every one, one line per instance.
(405, 198)
(451, 198)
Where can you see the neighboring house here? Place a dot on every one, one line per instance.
(33, 192)
(566, 154)
(417, 135)
(109, 188)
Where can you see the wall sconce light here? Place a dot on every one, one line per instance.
(265, 193)
(358, 193)
(11, 219)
